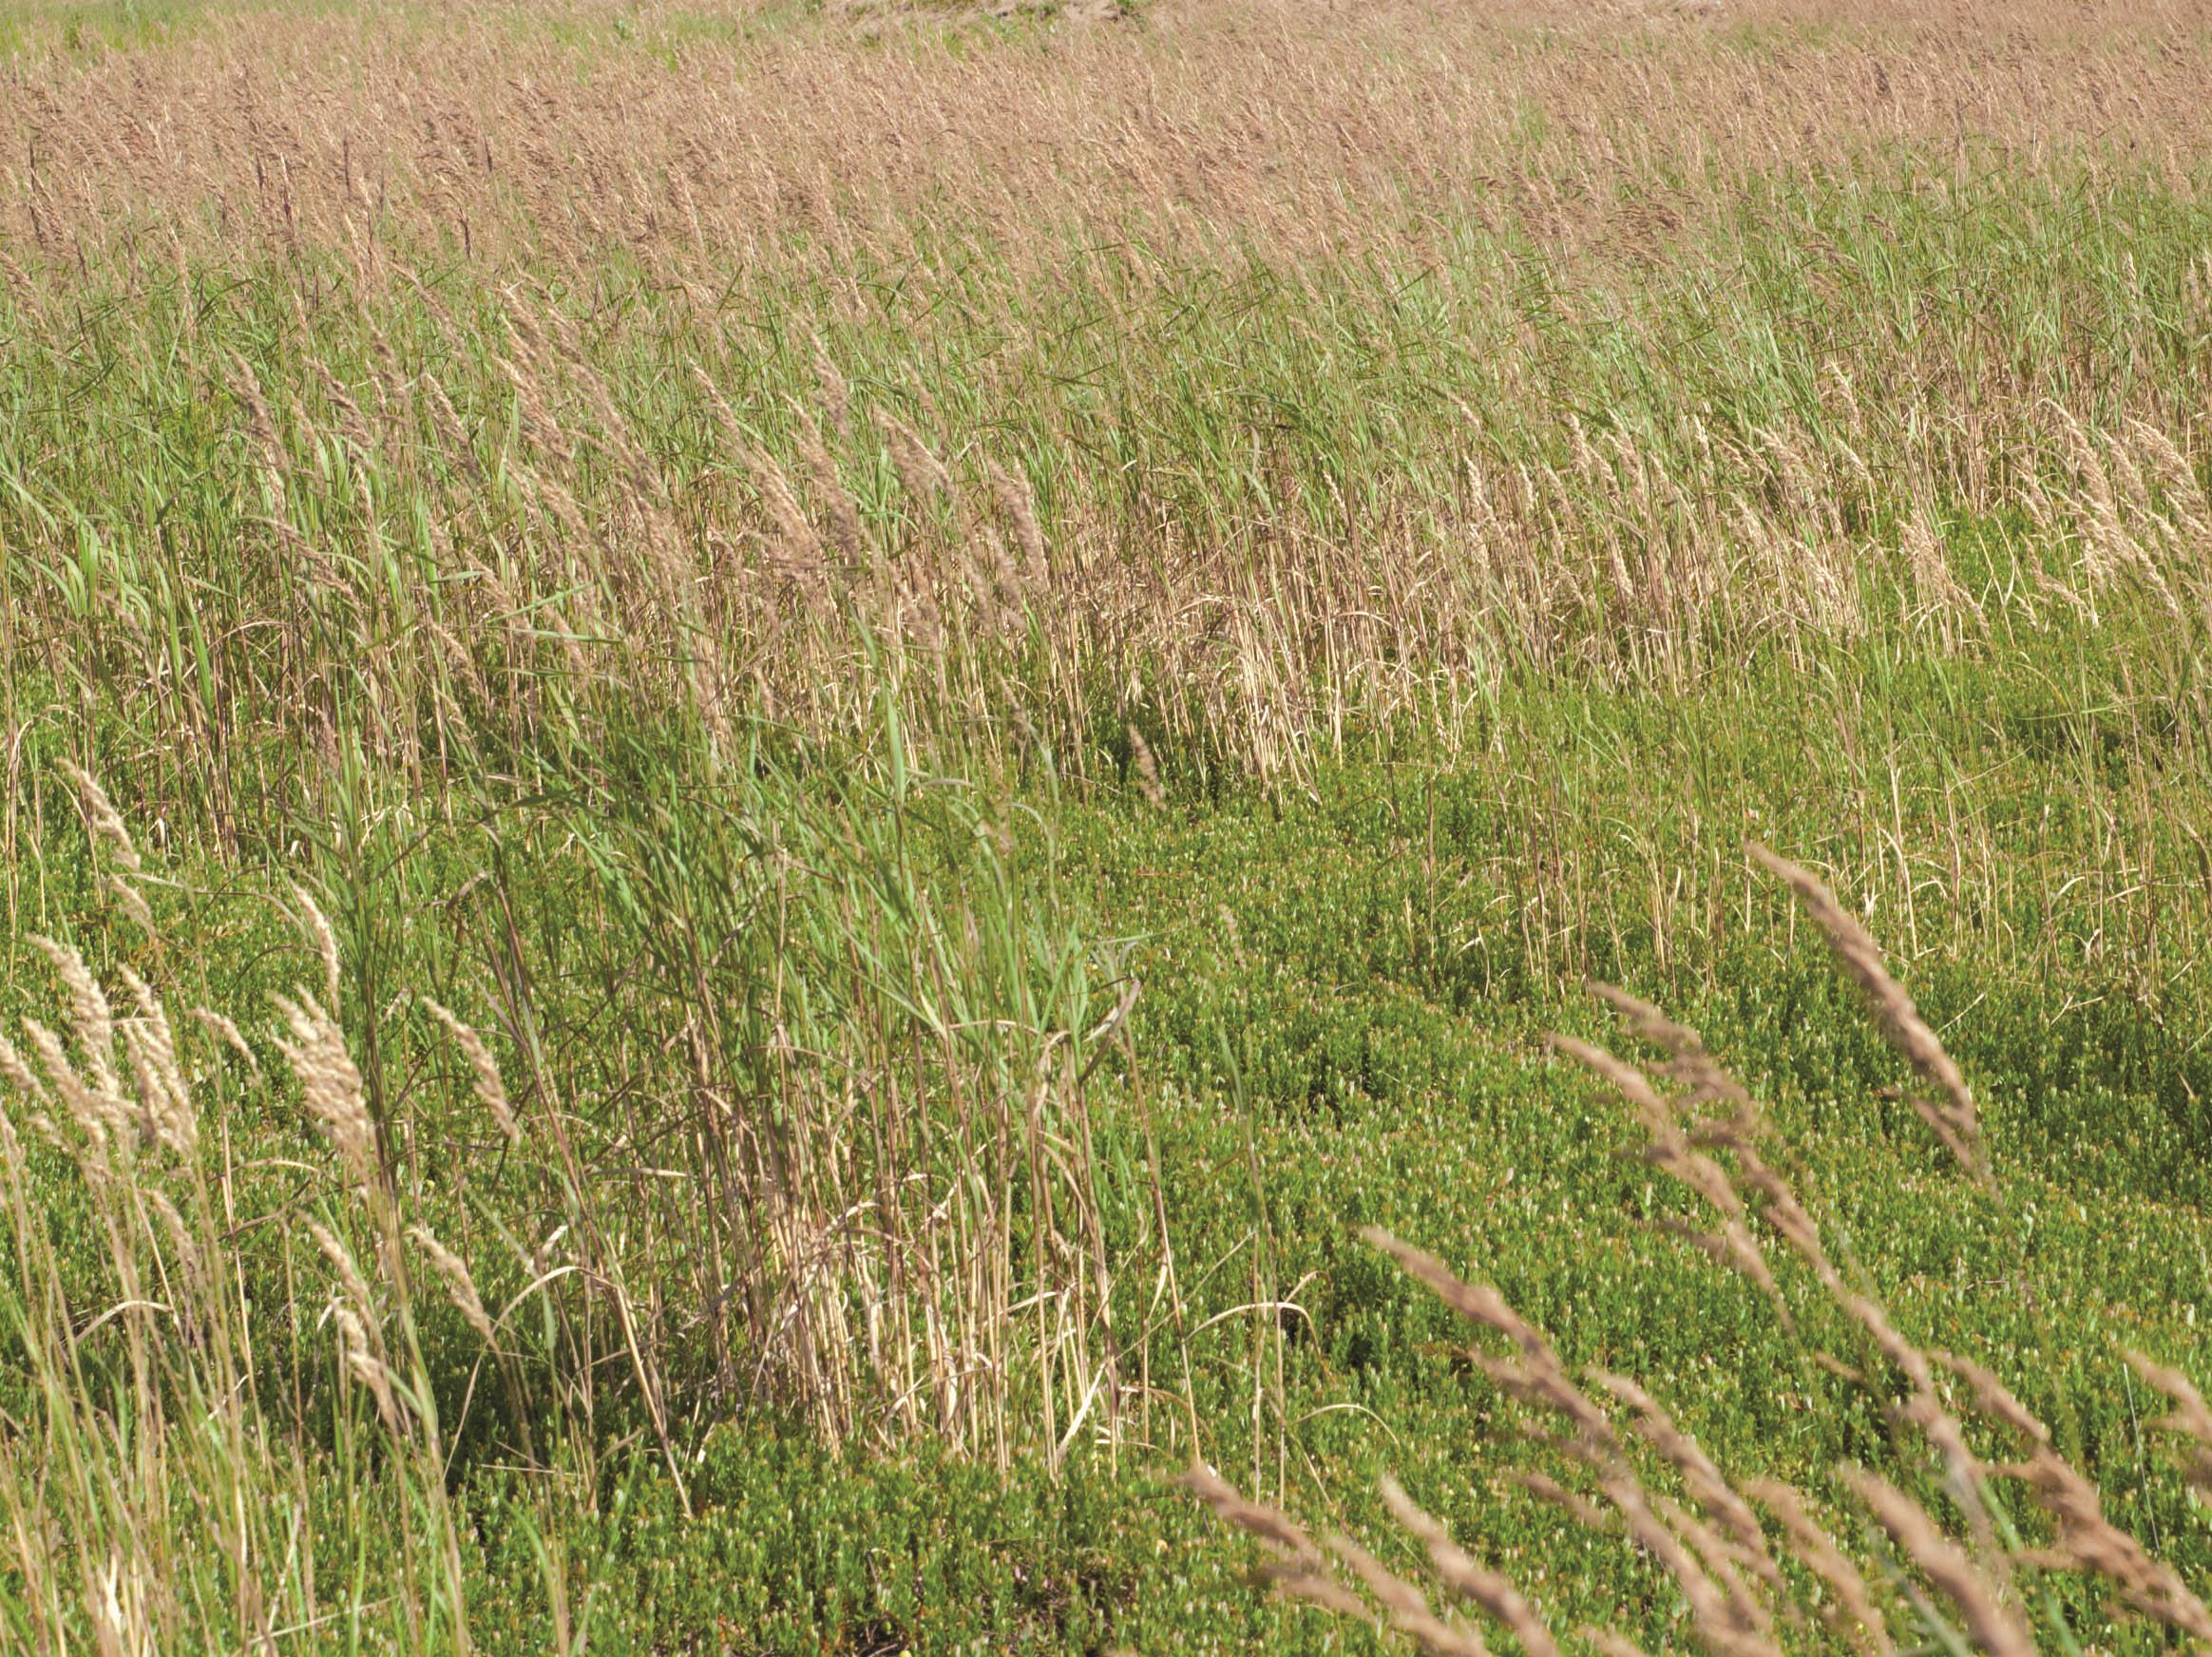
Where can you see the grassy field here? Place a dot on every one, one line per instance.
(781, 778)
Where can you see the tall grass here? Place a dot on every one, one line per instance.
(856, 1185)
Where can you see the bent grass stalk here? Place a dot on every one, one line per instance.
(1715, 1547)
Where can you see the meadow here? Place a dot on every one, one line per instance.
(816, 813)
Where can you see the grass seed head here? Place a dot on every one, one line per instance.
(1991, 1624)
(330, 1084)
(1952, 1117)
(490, 1089)
(460, 1286)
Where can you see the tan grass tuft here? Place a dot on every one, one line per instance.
(99, 813)
(326, 944)
(1472, 1581)
(1851, 1616)
(91, 1020)
(1148, 770)
(1408, 1608)
(366, 1366)
(227, 1032)
(342, 1262)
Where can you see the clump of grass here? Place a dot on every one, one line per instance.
(886, 1209)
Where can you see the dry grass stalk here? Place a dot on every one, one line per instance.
(225, 1031)
(1851, 1615)
(2087, 1540)
(332, 1085)
(1299, 1567)
(2191, 1419)
(366, 1367)
(1992, 1625)
(1672, 1150)
(326, 945)
(105, 822)
(91, 1020)
(341, 1259)
(1536, 1376)
(1474, 1582)
(1148, 770)
(1745, 1543)
(1406, 1607)
(1689, 1062)
(1952, 1117)
(1730, 1580)
(460, 1284)
(490, 1089)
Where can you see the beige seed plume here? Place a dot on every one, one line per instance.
(2086, 1539)
(326, 944)
(17, 1071)
(330, 1084)
(1989, 1623)
(1954, 1117)
(162, 1092)
(1407, 1607)
(1608, 1643)
(1020, 510)
(2191, 1419)
(490, 1088)
(1851, 1617)
(1670, 1149)
(1995, 1397)
(920, 474)
(181, 1238)
(98, 1111)
(1708, 1486)
(1147, 770)
(837, 502)
(91, 1020)
(366, 1367)
(1254, 1518)
(1579, 1507)
(341, 1259)
(837, 399)
(99, 813)
(226, 1032)
(1472, 1581)
(1690, 1063)
(1536, 1376)
(131, 902)
(460, 1286)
